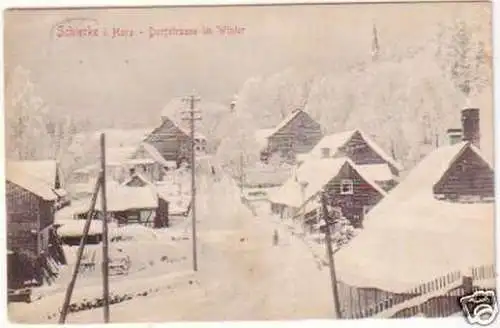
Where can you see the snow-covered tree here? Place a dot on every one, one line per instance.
(341, 228)
(32, 130)
(463, 57)
(25, 119)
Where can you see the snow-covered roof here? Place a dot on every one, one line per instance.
(376, 172)
(285, 121)
(18, 175)
(422, 178)
(178, 204)
(418, 242)
(179, 125)
(266, 176)
(44, 170)
(138, 161)
(316, 173)
(81, 187)
(409, 226)
(262, 135)
(154, 153)
(74, 228)
(118, 155)
(122, 198)
(335, 141)
(67, 213)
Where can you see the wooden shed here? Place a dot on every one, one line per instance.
(31, 239)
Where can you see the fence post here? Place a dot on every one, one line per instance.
(467, 284)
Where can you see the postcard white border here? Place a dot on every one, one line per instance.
(372, 323)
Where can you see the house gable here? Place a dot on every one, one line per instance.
(361, 152)
(300, 133)
(469, 175)
(167, 129)
(364, 191)
(136, 181)
(170, 140)
(27, 214)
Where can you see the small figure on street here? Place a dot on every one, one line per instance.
(275, 237)
(213, 170)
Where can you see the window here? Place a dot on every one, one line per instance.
(346, 187)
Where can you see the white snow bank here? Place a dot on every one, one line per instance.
(122, 198)
(74, 228)
(417, 242)
(376, 172)
(49, 306)
(133, 232)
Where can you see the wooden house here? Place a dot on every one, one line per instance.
(161, 215)
(418, 233)
(298, 133)
(469, 175)
(142, 158)
(348, 189)
(173, 142)
(31, 240)
(48, 171)
(369, 157)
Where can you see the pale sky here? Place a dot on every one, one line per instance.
(130, 79)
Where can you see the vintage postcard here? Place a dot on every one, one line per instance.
(277, 162)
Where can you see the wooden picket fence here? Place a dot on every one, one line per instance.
(436, 298)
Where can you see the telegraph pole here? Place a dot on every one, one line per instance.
(329, 249)
(83, 240)
(105, 254)
(192, 100)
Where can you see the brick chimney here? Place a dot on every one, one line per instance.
(470, 126)
(325, 152)
(454, 136)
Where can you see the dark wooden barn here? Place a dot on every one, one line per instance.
(31, 239)
(298, 133)
(173, 142)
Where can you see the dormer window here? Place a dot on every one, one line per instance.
(346, 187)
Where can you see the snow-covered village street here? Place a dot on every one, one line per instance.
(241, 276)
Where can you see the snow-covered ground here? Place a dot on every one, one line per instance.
(241, 275)
(153, 256)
